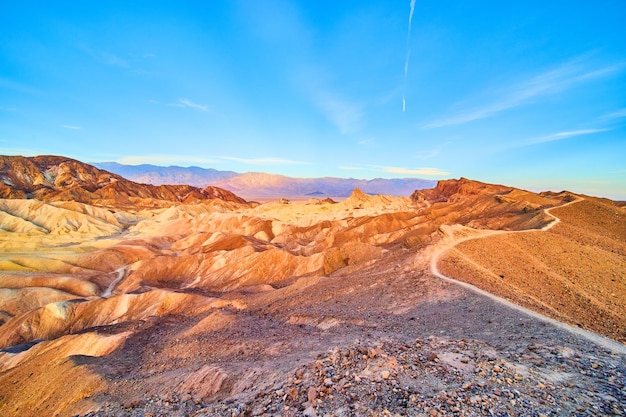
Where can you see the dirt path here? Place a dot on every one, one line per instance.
(121, 273)
(454, 235)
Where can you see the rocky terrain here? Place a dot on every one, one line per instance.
(163, 304)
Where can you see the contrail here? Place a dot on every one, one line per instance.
(408, 54)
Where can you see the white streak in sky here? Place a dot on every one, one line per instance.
(620, 114)
(417, 171)
(345, 115)
(71, 127)
(186, 103)
(561, 78)
(408, 54)
(263, 161)
(165, 160)
(565, 135)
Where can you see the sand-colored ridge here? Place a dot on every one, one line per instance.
(64, 317)
(54, 382)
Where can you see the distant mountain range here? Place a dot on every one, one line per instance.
(256, 185)
(158, 175)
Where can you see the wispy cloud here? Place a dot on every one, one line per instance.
(556, 80)
(209, 160)
(71, 127)
(105, 57)
(262, 161)
(114, 60)
(565, 135)
(431, 153)
(351, 168)
(8, 108)
(619, 114)
(398, 170)
(186, 103)
(417, 171)
(166, 160)
(20, 151)
(346, 116)
(6, 83)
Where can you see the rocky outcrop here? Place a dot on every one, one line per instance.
(446, 189)
(485, 206)
(58, 178)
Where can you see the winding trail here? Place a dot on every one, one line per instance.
(121, 273)
(451, 239)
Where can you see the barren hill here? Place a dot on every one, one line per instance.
(59, 178)
(573, 272)
(308, 308)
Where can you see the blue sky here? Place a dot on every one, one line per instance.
(530, 94)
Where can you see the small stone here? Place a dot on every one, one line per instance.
(309, 412)
(372, 353)
(385, 374)
(475, 399)
(311, 394)
(293, 393)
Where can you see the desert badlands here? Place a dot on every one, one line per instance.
(466, 299)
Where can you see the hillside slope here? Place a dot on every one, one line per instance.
(58, 178)
(573, 271)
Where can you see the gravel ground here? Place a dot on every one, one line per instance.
(446, 352)
(429, 377)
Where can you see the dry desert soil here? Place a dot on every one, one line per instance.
(218, 307)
